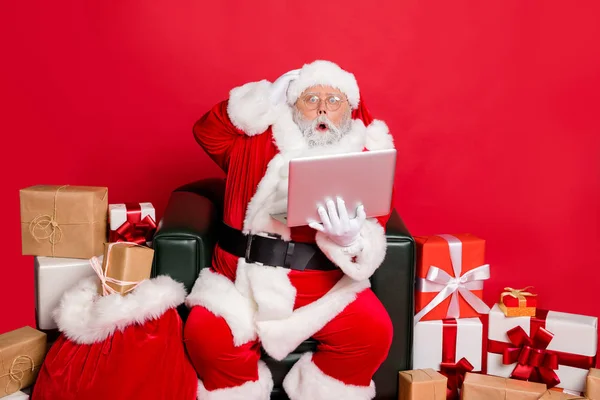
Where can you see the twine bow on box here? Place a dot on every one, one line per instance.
(46, 227)
(105, 279)
(519, 294)
(438, 280)
(16, 373)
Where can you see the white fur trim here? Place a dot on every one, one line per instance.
(219, 295)
(242, 281)
(306, 381)
(378, 136)
(258, 213)
(86, 317)
(280, 337)
(250, 108)
(253, 390)
(367, 260)
(273, 292)
(324, 73)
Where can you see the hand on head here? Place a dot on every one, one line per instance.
(280, 86)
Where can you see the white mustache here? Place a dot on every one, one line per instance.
(322, 119)
(313, 136)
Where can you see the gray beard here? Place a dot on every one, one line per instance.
(315, 138)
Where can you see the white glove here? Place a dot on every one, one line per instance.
(337, 225)
(280, 86)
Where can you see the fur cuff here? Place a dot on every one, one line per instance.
(306, 381)
(378, 136)
(363, 264)
(219, 295)
(282, 336)
(86, 317)
(250, 108)
(253, 390)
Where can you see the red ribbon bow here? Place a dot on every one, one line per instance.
(455, 372)
(534, 362)
(136, 229)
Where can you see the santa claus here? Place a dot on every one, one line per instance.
(273, 286)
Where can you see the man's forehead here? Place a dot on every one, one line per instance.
(320, 89)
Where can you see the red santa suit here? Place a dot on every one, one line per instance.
(237, 306)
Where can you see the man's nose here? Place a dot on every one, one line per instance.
(322, 110)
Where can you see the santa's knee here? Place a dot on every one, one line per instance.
(206, 336)
(372, 335)
(380, 335)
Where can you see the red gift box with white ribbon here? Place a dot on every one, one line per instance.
(554, 348)
(450, 275)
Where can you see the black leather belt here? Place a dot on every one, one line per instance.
(273, 251)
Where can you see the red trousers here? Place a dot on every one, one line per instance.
(351, 347)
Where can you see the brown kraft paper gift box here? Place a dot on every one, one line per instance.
(127, 262)
(556, 395)
(22, 353)
(592, 390)
(479, 387)
(422, 384)
(64, 221)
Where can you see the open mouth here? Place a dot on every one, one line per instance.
(322, 127)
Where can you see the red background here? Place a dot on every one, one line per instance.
(494, 107)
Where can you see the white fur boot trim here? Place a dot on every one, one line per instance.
(254, 390)
(306, 381)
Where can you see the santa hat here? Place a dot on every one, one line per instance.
(325, 73)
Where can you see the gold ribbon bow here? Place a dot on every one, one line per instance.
(47, 226)
(519, 294)
(16, 372)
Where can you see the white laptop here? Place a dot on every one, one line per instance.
(365, 178)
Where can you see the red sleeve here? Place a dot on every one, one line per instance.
(215, 133)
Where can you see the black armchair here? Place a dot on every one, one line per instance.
(183, 246)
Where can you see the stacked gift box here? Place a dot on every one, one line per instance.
(448, 332)
(531, 353)
(73, 233)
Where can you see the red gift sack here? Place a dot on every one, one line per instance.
(119, 347)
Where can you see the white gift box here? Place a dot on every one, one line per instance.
(573, 334)
(428, 341)
(117, 214)
(53, 276)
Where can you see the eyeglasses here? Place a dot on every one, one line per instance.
(332, 102)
